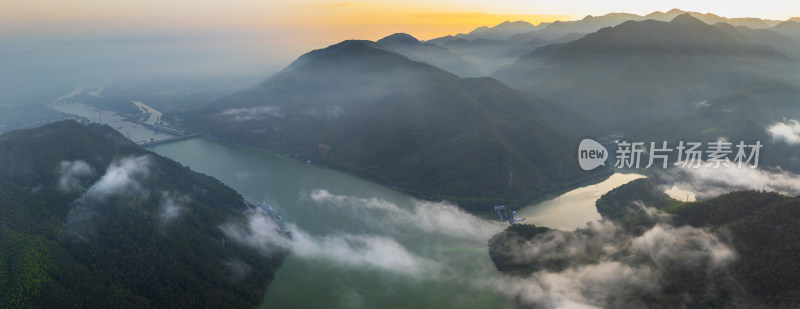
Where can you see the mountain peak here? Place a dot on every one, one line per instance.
(518, 23)
(305, 58)
(399, 38)
(687, 19)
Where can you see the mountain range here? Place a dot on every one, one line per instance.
(502, 31)
(389, 111)
(521, 31)
(747, 115)
(642, 71)
(374, 112)
(489, 48)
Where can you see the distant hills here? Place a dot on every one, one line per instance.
(743, 115)
(406, 45)
(361, 108)
(789, 28)
(489, 48)
(433, 54)
(502, 31)
(396, 110)
(521, 31)
(641, 71)
(90, 220)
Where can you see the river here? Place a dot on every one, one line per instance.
(363, 245)
(332, 205)
(443, 248)
(133, 131)
(573, 209)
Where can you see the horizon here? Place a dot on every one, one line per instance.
(247, 41)
(295, 28)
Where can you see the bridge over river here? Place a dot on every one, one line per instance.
(147, 144)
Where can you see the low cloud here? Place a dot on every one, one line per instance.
(787, 131)
(259, 232)
(171, 206)
(358, 251)
(122, 176)
(70, 174)
(708, 182)
(435, 218)
(692, 247)
(377, 252)
(604, 266)
(254, 113)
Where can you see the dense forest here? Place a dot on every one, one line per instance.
(753, 232)
(90, 220)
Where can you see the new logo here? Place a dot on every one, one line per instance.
(591, 154)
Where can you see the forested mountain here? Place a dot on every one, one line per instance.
(641, 71)
(361, 108)
(750, 114)
(90, 220)
(728, 251)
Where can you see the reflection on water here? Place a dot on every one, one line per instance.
(574, 208)
(132, 131)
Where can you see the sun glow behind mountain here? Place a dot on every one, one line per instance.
(280, 30)
(323, 22)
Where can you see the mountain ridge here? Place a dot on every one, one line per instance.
(655, 69)
(408, 124)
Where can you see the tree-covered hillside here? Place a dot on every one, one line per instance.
(408, 124)
(735, 250)
(90, 220)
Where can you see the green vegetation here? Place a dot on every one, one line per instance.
(620, 201)
(63, 248)
(362, 109)
(761, 228)
(503, 246)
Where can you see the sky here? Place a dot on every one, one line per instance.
(291, 27)
(317, 20)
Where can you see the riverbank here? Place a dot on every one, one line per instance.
(476, 205)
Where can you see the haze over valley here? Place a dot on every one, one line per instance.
(364, 155)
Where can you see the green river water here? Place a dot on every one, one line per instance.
(363, 245)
